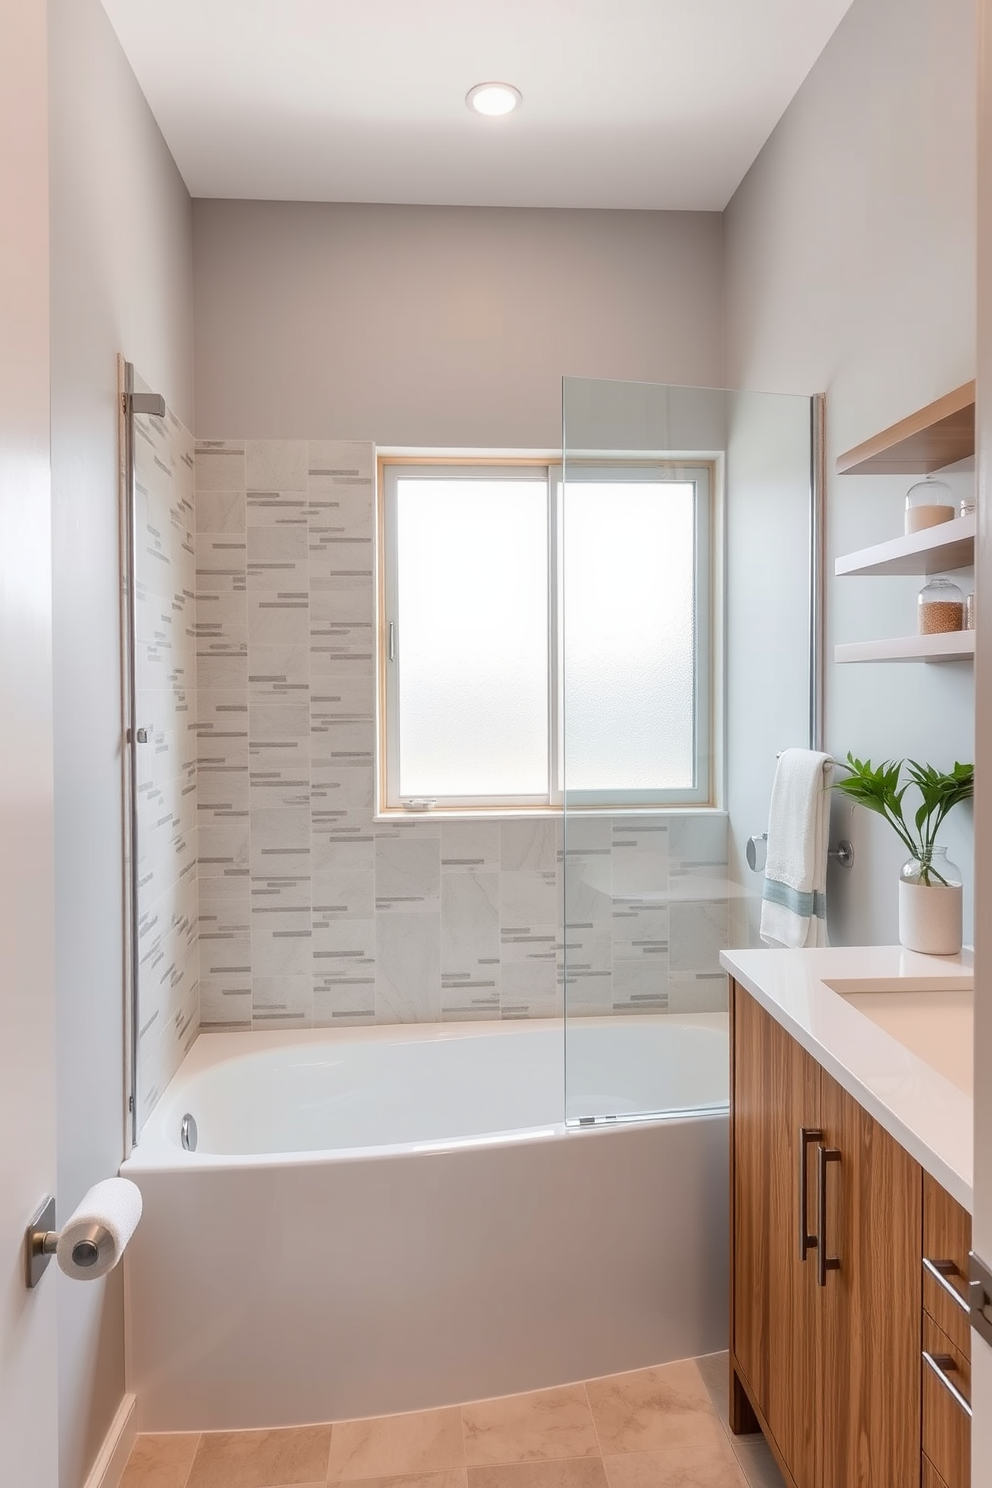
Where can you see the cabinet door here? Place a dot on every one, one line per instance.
(776, 1091)
(869, 1407)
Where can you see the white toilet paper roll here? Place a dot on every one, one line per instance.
(92, 1240)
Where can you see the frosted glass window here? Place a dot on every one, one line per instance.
(630, 636)
(471, 637)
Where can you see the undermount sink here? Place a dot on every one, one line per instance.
(934, 1018)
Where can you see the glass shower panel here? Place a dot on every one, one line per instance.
(685, 542)
(164, 902)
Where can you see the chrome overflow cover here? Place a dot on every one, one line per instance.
(187, 1133)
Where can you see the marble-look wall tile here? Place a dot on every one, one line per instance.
(697, 992)
(220, 466)
(407, 872)
(408, 968)
(530, 989)
(470, 944)
(698, 934)
(530, 846)
(469, 846)
(386, 921)
(281, 1002)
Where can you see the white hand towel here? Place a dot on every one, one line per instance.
(794, 899)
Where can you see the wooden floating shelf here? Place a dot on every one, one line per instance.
(936, 436)
(934, 550)
(954, 645)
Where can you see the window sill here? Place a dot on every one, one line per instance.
(537, 813)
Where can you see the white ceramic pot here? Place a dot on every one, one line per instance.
(930, 918)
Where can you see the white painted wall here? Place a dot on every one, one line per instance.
(28, 1397)
(121, 281)
(850, 267)
(446, 326)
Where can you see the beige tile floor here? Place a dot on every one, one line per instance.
(652, 1428)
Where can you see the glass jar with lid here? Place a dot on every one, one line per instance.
(928, 503)
(940, 608)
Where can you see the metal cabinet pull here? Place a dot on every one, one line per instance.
(824, 1263)
(807, 1134)
(942, 1271)
(939, 1363)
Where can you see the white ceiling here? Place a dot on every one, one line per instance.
(627, 103)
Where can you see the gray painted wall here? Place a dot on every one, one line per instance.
(850, 267)
(441, 325)
(121, 281)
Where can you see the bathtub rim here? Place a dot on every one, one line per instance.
(156, 1152)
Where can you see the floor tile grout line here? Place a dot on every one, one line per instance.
(192, 1461)
(592, 1417)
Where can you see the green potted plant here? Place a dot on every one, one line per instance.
(929, 885)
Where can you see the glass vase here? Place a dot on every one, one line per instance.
(930, 897)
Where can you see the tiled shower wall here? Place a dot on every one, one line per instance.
(312, 913)
(165, 659)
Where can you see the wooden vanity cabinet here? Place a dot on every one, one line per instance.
(826, 1282)
(946, 1340)
(775, 1086)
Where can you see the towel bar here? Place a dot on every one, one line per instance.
(756, 851)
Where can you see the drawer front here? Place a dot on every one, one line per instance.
(931, 1477)
(946, 1243)
(946, 1421)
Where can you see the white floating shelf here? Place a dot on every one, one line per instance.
(953, 645)
(935, 550)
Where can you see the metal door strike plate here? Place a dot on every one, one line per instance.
(980, 1296)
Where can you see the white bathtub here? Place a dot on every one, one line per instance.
(386, 1219)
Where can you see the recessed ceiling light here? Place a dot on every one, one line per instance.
(493, 99)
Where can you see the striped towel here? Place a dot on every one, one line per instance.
(794, 899)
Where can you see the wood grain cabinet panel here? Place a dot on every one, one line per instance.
(946, 1243)
(946, 1423)
(826, 1345)
(776, 1091)
(931, 1477)
(871, 1303)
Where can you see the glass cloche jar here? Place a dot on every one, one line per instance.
(940, 607)
(928, 503)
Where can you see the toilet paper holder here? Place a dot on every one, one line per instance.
(42, 1240)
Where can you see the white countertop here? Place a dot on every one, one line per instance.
(924, 1103)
